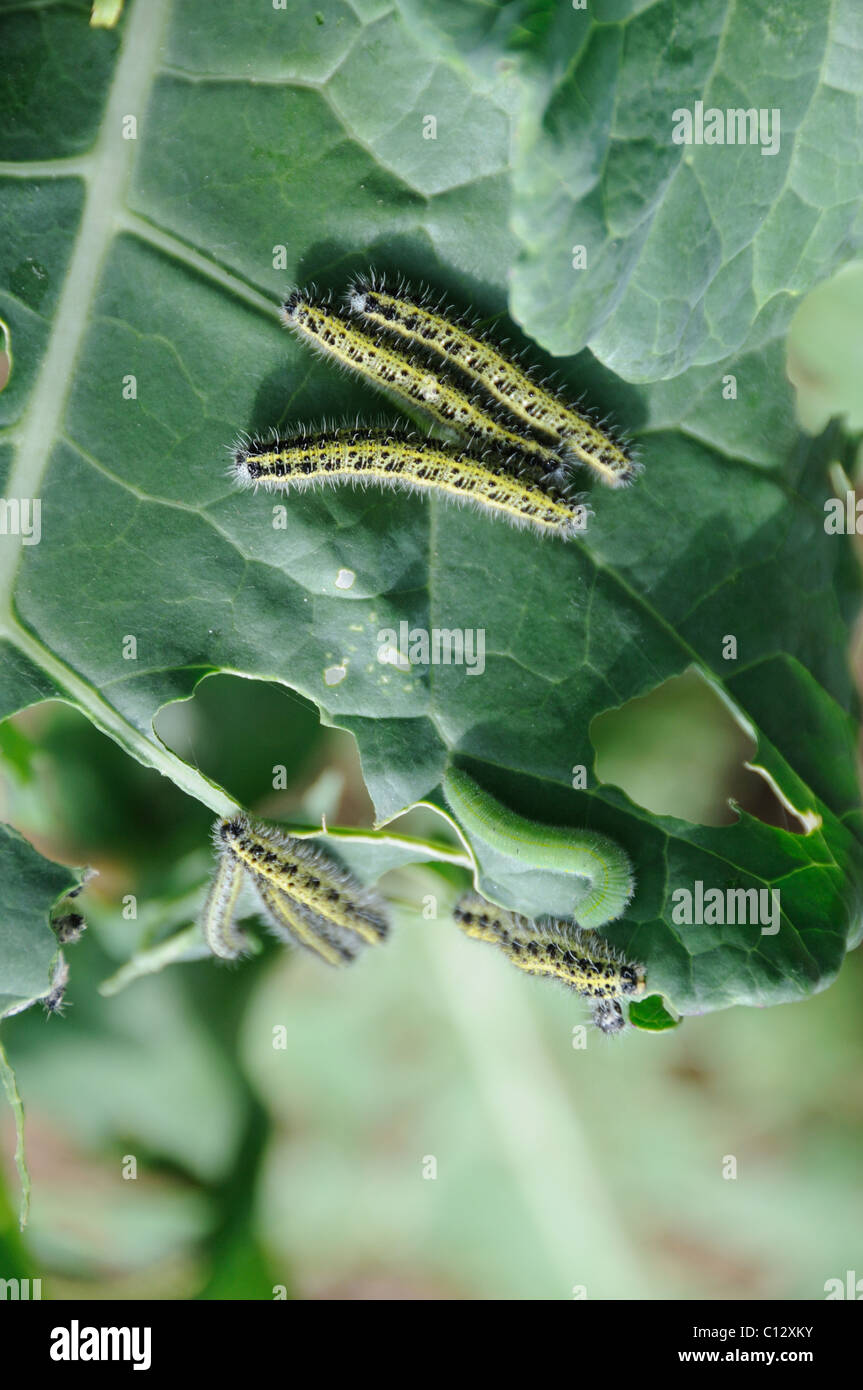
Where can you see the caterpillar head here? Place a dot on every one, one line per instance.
(608, 1017)
(244, 467)
(289, 311)
(230, 829)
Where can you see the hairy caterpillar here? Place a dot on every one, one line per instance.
(584, 853)
(318, 888)
(558, 950)
(416, 320)
(217, 916)
(363, 351)
(400, 461)
(297, 925)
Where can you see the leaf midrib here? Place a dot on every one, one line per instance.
(110, 166)
(105, 173)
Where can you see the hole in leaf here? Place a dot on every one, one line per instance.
(680, 751)
(266, 746)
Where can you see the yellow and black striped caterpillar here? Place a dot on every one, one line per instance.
(363, 349)
(519, 439)
(307, 898)
(398, 460)
(559, 950)
(522, 400)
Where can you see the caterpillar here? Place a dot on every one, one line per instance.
(318, 889)
(291, 920)
(602, 865)
(416, 320)
(400, 461)
(217, 915)
(297, 925)
(363, 351)
(558, 950)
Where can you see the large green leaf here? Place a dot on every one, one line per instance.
(694, 251)
(280, 145)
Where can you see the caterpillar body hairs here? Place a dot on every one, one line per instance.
(417, 320)
(365, 350)
(307, 876)
(559, 950)
(594, 858)
(399, 460)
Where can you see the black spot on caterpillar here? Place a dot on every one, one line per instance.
(400, 461)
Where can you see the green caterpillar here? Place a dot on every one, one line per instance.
(601, 864)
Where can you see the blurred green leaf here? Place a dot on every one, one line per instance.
(136, 1075)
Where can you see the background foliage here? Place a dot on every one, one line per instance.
(265, 155)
